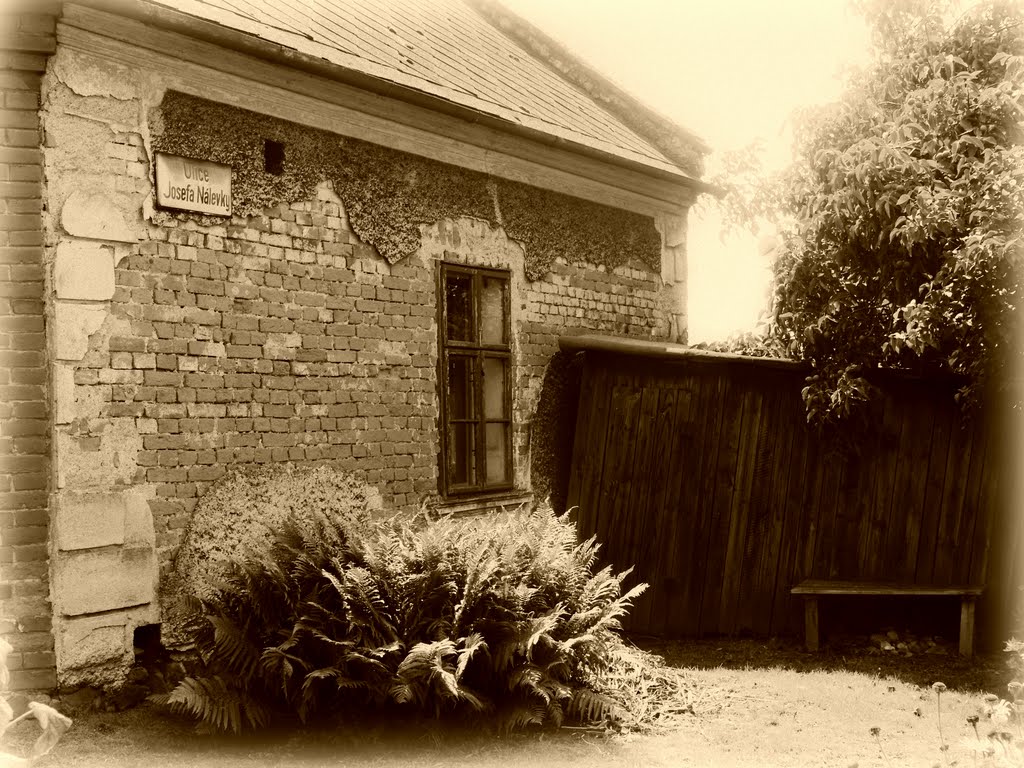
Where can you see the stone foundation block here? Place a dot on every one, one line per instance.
(63, 384)
(95, 216)
(138, 521)
(88, 519)
(83, 271)
(92, 640)
(91, 581)
(73, 325)
(101, 458)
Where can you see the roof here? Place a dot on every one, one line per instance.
(461, 54)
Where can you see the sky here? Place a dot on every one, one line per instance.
(731, 71)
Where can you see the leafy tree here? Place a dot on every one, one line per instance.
(900, 219)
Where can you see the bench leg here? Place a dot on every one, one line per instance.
(967, 627)
(811, 622)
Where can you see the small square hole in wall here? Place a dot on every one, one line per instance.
(273, 157)
(147, 640)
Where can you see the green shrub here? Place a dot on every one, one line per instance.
(501, 618)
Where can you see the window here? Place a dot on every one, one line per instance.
(475, 374)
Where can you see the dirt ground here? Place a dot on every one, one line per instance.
(760, 704)
(986, 672)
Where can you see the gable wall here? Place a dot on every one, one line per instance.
(183, 346)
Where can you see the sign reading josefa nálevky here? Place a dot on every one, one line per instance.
(193, 185)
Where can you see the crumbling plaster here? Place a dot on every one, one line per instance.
(103, 565)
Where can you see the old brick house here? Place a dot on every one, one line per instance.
(254, 232)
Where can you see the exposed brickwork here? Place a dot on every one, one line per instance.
(24, 428)
(282, 338)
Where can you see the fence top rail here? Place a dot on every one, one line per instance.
(665, 350)
(668, 351)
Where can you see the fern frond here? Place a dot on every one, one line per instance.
(527, 677)
(278, 666)
(478, 703)
(470, 646)
(600, 589)
(214, 702)
(555, 713)
(588, 706)
(233, 648)
(541, 629)
(401, 693)
(482, 568)
(366, 607)
(521, 715)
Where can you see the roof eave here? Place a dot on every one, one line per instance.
(252, 45)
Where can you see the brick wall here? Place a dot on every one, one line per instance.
(283, 338)
(26, 38)
(182, 347)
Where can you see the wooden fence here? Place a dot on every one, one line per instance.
(700, 471)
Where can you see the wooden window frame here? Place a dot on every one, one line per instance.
(474, 351)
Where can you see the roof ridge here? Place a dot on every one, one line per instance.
(679, 144)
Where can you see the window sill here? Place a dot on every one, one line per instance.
(479, 505)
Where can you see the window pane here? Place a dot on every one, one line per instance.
(494, 388)
(492, 311)
(461, 469)
(497, 453)
(459, 302)
(460, 387)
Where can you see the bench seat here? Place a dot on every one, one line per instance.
(812, 589)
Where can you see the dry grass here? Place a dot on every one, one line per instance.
(731, 718)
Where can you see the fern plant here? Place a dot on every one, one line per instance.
(501, 619)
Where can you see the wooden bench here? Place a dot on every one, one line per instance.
(812, 589)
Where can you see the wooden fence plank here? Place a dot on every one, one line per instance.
(834, 469)
(797, 528)
(844, 553)
(584, 443)
(740, 510)
(761, 548)
(775, 549)
(675, 454)
(981, 467)
(958, 465)
(816, 521)
(648, 469)
(614, 500)
(937, 462)
(885, 462)
(588, 459)
(724, 473)
(911, 486)
(707, 415)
